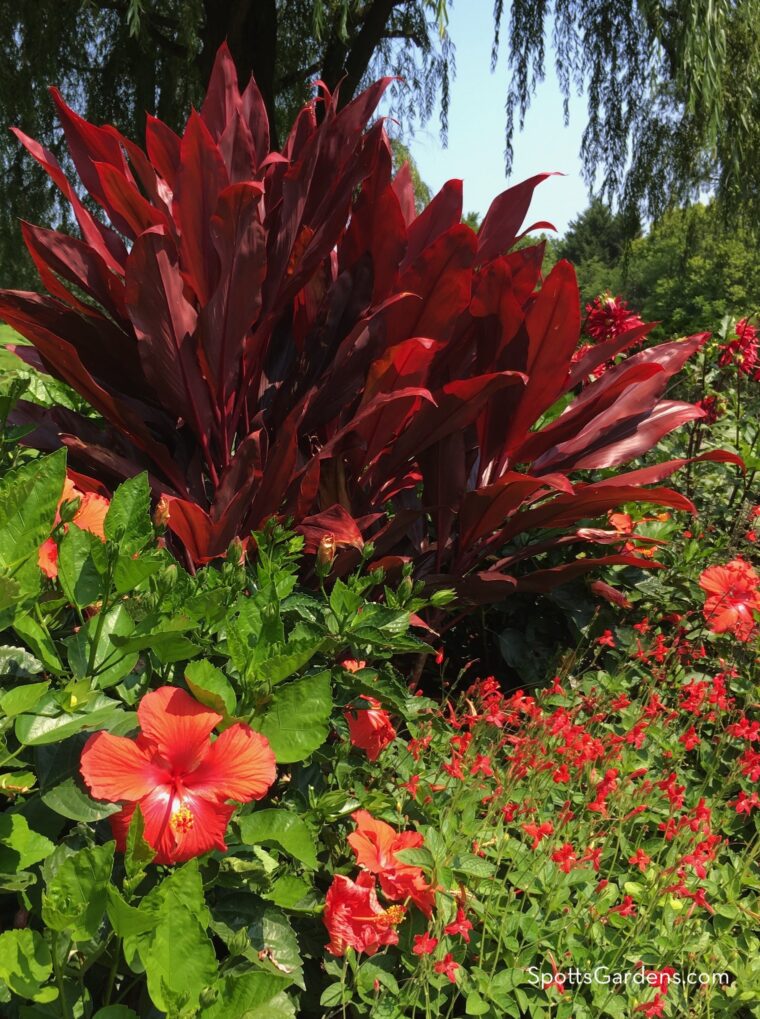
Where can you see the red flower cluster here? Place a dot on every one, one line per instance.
(743, 350)
(180, 779)
(733, 598)
(608, 317)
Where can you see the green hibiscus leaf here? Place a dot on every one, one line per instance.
(128, 519)
(297, 719)
(75, 899)
(25, 964)
(282, 828)
(20, 847)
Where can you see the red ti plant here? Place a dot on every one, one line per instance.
(280, 333)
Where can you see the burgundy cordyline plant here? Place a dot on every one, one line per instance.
(280, 333)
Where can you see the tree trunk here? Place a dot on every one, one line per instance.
(250, 29)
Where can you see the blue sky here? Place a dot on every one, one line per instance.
(476, 129)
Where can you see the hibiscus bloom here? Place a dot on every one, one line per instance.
(178, 777)
(89, 516)
(355, 919)
(732, 598)
(370, 728)
(376, 844)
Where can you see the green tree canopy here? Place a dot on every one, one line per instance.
(688, 272)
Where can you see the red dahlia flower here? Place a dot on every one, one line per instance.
(376, 844)
(608, 317)
(355, 919)
(370, 728)
(742, 350)
(732, 598)
(178, 777)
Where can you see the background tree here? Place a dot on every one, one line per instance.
(596, 243)
(672, 85)
(687, 272)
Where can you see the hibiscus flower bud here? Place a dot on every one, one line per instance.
(161, 514)
(325, 554)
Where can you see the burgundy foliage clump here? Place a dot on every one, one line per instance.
(281, 333)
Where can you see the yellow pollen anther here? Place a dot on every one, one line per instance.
(182, 820)
(391, 917)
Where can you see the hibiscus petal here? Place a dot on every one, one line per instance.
(179, 828)
(239, 765)
(91, 514)
(116, 768)
(47, 558)
(178, 725)
(210, 820)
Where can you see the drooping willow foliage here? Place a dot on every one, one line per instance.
(672, 86)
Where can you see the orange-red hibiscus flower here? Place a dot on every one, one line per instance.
(355, 919)
(370, 728)
(89, 516)
(178, 777)
(376, 844)
(732, 598)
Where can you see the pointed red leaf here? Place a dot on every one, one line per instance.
(201, 178)
(502, 222)
(335, 521)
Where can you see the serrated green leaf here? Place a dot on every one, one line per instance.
(17, 663)
(211, 687)
(36, 730)
(22, 698)
(297, 720)
(283, 828)
(128, 519)
(178, 956)
(81, 564)
(69, 800)
(253, 995)
(20, 847)
(75, 899)
(28, 502)
(111, 662)
(25, 962)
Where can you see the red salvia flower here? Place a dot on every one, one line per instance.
(460, 925)
(565, 857)
(538, 832)
(732, 598)
(376, 844)
(370, 729)
(355, 919)
(746, 804)
(424, 944)
(742, 350)
(608, 317)
(640, 859)
(626, 908)
(178, 777)
(655, 1007)
(449, 966)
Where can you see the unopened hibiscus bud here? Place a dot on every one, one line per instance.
(439, 599)
(325, 554)
(69, 509)
(235, 552)
(161, 514)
